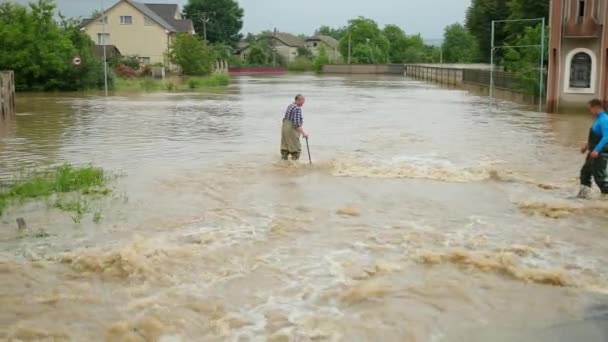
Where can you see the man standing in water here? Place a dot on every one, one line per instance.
(292, 129)
(597, 148)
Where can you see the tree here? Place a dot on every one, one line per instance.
(525, 9)
(260, 53)
(304, 52)
(320, 60)
(89, 74)
(459, 45)
(192, 55)
(479, 22)
(524, 62)
(368, 43)
(336, 33)
(223, 19)
(399, 43)
(40, 51)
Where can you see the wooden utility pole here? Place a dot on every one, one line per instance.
(7, 95)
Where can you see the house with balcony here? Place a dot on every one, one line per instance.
(138, 29)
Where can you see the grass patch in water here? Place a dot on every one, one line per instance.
(171, 84)
(62, 179)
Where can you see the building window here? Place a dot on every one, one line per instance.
(581, 8)
(103, 20)
(144, 60)
(148, 21)
(314, 44)
(126, 20)
(103, 39)
(580, 71)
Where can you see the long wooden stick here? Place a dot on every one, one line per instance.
(308, 149)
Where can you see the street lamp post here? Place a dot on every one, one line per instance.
(103, 41)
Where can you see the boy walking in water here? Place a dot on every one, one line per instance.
(292, 129)
(596, 164)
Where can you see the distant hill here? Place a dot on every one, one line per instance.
(433, 42)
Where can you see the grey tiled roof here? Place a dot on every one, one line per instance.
(287, 38)
(162, 14)
(332, 42)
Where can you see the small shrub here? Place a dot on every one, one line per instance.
(170, 86)
(146, 70)
(125, 71)
(301, 64)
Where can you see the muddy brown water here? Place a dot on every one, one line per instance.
(429, 214)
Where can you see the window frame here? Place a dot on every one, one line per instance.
(106, 41)
(123, 20)
(568, 89)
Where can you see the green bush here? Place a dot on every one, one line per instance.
(40, 49)
(300, 64)
(320, 60)
(192, 55)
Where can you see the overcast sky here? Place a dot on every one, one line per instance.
(427, 17)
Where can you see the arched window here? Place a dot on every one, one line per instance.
(580, 71)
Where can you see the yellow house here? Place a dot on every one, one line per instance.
(138, 29)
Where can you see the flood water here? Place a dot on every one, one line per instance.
(428, 214)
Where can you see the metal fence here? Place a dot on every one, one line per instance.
(502, 80)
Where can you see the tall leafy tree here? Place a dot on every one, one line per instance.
(525, 9)
(459, 45)
(525, 62)
(222, 19)
(479, 22)
(336, 33)
(192, 55)
(399, 43)
(368, 43)
(40, 51)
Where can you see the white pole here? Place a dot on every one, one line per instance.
(492, 63)
(542, 66)
(103, 40)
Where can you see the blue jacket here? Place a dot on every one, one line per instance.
(600, 129)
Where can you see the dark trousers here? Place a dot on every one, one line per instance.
(596, 169)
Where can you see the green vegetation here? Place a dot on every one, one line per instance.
(192, 55)
(97, 216)
(62, 179)
(301, 64)
(459, 45)
(321, 60)
(336, 33)
(523, 62)
(79, 207)
(218, 80)
(175, 84)
(368, 43)
(221, 19)
(40, 49)
(481, 13)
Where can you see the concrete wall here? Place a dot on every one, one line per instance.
(385, 69)
(137, 39)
